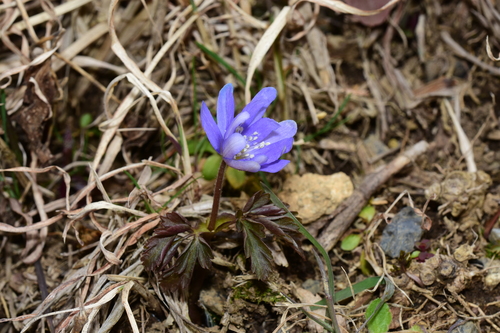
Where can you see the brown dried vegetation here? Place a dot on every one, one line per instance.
(422, 114)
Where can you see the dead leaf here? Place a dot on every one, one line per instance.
(37, 108)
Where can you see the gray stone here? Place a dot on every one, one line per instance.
(468, 327)
(402, 233)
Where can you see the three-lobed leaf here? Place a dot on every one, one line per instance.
(161, 252)
(259, 215)
(179, 274)
(255, 248)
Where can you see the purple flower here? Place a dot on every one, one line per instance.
(248, 142)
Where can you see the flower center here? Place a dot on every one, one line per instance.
(251, 146)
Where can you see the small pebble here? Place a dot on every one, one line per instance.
(468, 327)
(402, 233)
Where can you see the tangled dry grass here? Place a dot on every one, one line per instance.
(100, 104)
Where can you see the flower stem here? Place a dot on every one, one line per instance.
(217, 195)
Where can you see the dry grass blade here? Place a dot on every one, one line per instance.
(81, 44)
(144, 80)
(98, 302)
(35, 62)
(129, 77)
(342, 7)
(263, 46)
(66, 176)
(488, 51)
(36, 226)
(465, 145)
(44, 17)
(126, 305)
(76, 214)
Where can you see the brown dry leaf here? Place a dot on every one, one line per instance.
(37, 108)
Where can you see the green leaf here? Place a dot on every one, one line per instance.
(255, 248)
(350, 242)
(236, 178)
(344, 294)
(211, 167)
(85, 120)
(367, 213)
(380, 321)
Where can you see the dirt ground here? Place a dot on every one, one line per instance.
(101, 137)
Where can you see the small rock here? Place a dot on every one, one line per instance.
(213, 300)
(314, 286)
(492, 278)
(402, 233)
(494, 236)
(463, 253)
(313, 195)
(468, 327)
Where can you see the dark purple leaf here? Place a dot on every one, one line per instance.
(180, 274)
(169, 219)
(158, 253)
(171, 230)
(423, 256)
(423, 245)
(268, 210)
(255, 248)
(257, 200)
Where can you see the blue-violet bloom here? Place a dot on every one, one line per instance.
(248, 142)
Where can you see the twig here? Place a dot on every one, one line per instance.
(461, 52)
(345, 214)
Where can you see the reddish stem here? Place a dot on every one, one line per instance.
(217, 195)
(490, 224)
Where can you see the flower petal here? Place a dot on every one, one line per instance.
(238, 121)
(233, 145)
(261, 159)
(225, 108)
(208, 123)
(259, 104)
(263, 127)
(274, 167)
(244, 165)
(287, 129)
(274, 151)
